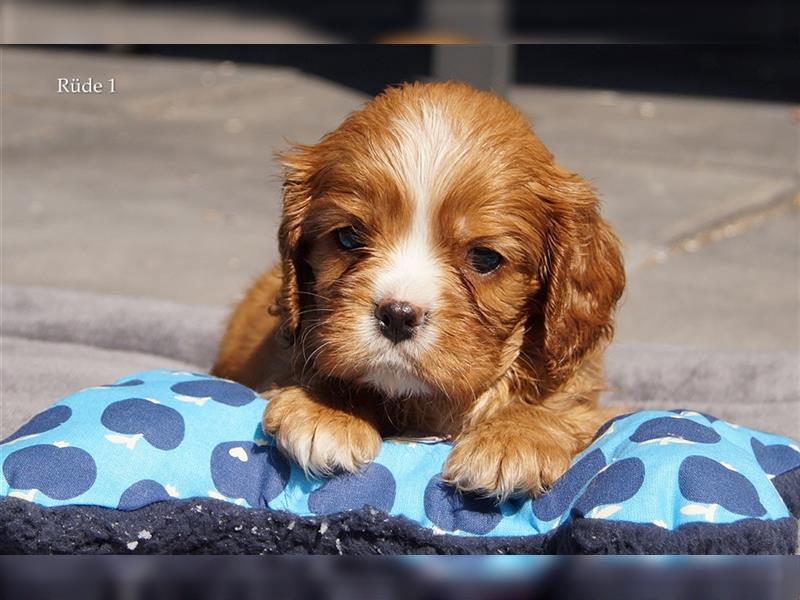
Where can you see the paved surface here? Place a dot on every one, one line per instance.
(48, 22)
(166, 189)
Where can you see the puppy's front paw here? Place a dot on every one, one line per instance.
(319, 438)
(493, 461)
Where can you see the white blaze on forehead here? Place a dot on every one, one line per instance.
(425, 153)
(422, 160)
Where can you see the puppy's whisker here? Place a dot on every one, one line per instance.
(315, 310)
(301, 347)
(313, 355)
(314, 294)
(314, 326)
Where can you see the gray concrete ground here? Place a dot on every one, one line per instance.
(167, 188)
(76, 22)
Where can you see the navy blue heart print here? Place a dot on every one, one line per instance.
(246, 470)
(161, 426)
(373, 486)
(60, 472)
(225, 392)
(704, 480)
(675, 427)
(555, 502)
(617, 483)
(451, 510)
(44, 421)
(775, 459)
(142, 493)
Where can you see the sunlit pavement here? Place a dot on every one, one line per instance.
(167, 188)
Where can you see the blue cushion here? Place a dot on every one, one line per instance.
(162, 435)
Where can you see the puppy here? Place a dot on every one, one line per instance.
(440, 275)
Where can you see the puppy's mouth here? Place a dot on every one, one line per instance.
(396, 382)
(394, 373)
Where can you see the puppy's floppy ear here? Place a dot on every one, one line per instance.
(299, 169)
(583, 274)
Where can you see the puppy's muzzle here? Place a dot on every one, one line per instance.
(398, 321)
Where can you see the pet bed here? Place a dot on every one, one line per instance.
(172, 461)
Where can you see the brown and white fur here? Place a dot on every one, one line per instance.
(429, 180)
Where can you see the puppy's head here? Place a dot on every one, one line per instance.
(431, 246)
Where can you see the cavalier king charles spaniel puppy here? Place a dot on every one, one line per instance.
(442, 276)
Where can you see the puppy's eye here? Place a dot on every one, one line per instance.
(349, 238)
(484, 260)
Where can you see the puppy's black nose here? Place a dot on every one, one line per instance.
(398, 320)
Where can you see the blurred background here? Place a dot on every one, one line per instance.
(167, 188)
(684, 116)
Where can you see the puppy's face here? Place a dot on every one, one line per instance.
(418, 240)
